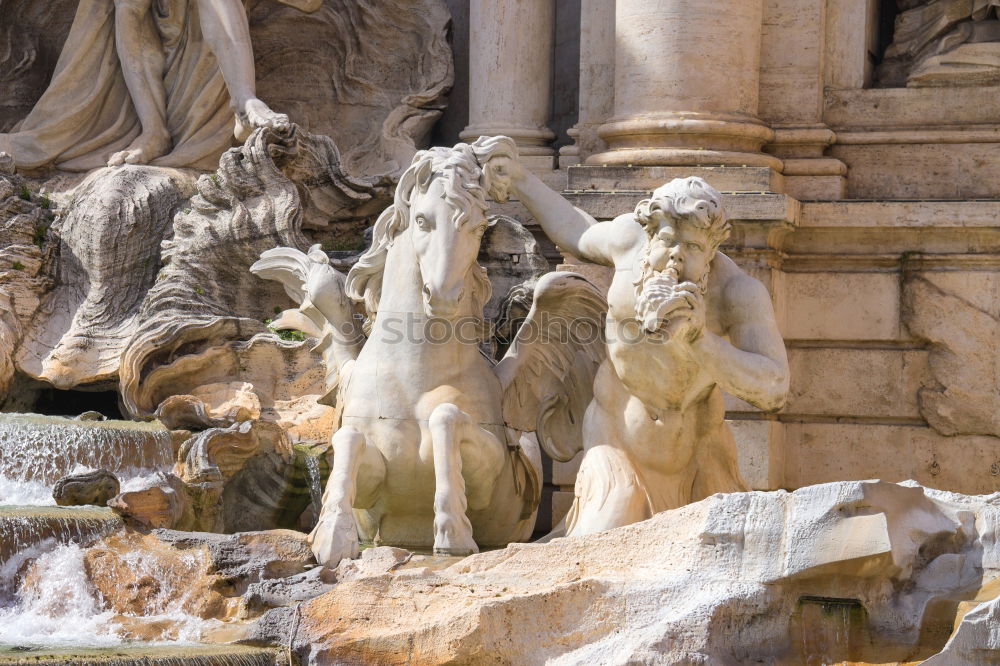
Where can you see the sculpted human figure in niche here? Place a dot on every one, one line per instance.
(684, 323)
(147, 82)
(943, 42)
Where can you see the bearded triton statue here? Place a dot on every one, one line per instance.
(943, 42)
(147, 82)
(684, 324)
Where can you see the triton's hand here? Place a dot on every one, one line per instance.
(689, 322)
(503, 175)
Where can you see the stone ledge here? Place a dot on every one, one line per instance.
(741, 207)
(876, 245)
(911, 107)
(936, 214)
(826, 452)
(722, 178)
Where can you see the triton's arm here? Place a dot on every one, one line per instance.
(752, 365)
(570, 228)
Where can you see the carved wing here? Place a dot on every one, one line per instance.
(325, 310)
(548, 373)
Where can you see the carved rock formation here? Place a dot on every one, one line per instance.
(31, 38)
(962, 337)
(24, 220)
(240, 478)
(202, 575)
(205, 300)
(371, 74)
(109, 256)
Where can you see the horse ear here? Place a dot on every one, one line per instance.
(423, 174)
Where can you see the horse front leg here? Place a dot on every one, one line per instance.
(335, 536)
(449, 426)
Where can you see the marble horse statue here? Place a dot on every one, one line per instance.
(437, 445)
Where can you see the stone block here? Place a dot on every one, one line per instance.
(759, 450)
(900, 214)
(857, 382)
(876, 234)
(827, 452)
(882, 108)
(894, 167)
(816, 188)
(791, 56)
(842, 306)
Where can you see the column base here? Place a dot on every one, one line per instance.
(531, 141)
(686, 139)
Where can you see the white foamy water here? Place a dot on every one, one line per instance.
(62, 609)
(28, 532)
(36, 451)
(56, 605)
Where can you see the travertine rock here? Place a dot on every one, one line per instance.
(204, 298)
(163, 503)
(90, 488)
(371, 74)
(23, 282)
(218, 454)
(279, 592)
(239, 478)
(975, 641)
(373, 562)
(172, 574)
(735, 578)
(109, 248)
(942, 43)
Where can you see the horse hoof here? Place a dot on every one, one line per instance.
(334, 539)
(455, 552)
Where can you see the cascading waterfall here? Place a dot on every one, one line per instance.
(35, 451)
(26, 532)
(315, 483)
(55, 604)
(58, 606)
(46, 598)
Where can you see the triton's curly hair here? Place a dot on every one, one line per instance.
(689, 200)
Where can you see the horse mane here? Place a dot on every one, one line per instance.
(463, 189)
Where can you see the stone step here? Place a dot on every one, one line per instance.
(140, 655)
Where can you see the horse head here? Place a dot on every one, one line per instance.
(441, 202)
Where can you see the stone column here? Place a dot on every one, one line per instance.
(686, 85)
(510, 74)
(597, 80)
